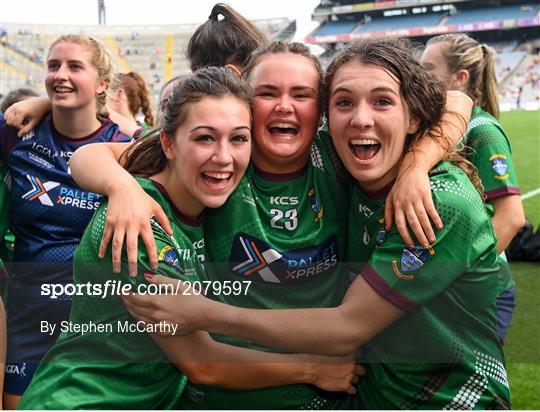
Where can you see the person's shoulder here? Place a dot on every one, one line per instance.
(453, 192)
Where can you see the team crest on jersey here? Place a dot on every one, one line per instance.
(259, 262)
(412, 259)
(500, 166)
(39, 190)
(316, 206)
(169, 256)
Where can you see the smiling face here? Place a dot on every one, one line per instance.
(208, 153)
(72, 82)
(286, 111)
(369, 122)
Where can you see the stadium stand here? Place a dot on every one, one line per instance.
(515, 11)
(157, 53)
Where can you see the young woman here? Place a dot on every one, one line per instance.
(468, 66)
(195, 161)
(426, 315)
(48, 211)
(284, 228)
(127, 95)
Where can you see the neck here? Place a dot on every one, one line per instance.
(178, 193)
(75, 124)
(281, 165)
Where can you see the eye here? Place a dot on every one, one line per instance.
(344, 102)
(383, 101)
(265, 94)
(240, 138)
(75, 66)
(204, 138)
(52, 66)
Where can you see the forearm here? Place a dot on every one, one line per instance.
(325, 331)
(208, 362)
(508, 219)
(95, 167)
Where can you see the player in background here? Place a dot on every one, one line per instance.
(127, 95)
(288, 214)
(468, 66)
(425, 314)
(195, 161)
(225, 39)
(48, 211)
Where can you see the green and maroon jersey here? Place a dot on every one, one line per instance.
(444, 352)
(116, 368)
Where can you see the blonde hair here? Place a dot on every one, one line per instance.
(465, 53)
(101, 61)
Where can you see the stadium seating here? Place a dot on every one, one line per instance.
(401, 22)
(495, 13)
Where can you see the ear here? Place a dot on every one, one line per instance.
(414, 124)
(234, 68)
(462, 77)
(166, 145)
(102, 86)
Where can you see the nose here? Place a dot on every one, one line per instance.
(362, 118)
(284, 105)
(222, 154)
(61, 73)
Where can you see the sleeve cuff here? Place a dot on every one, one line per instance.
(379, 284)
(502, 191)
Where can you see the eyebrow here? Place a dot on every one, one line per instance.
(274, 87)
(214, 129)
(375, 90)
(69, 61)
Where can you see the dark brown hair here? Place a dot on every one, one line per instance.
(146, 157)
(421, 90)
(465, 53)
(136, 92)
(226, 40)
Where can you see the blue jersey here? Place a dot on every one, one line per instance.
(48, 210)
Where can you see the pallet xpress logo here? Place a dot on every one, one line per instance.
(260, 262)
(39, 190)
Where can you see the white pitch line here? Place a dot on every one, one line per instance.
(530, 194)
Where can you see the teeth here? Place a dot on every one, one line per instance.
(63, 89)
(217, 175)
(283, 125)
(364, 142)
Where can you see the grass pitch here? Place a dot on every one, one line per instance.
(522, 347)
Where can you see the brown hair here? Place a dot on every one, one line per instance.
(422, 91)
(101, 60)
(136, 92)
(226, 40)
(465, 53)
(146, 157)
(16, 95)
(277, 47)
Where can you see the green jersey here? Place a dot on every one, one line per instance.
(287, 235)
(117, 366)
(488, 148)
(444, 352)
(491, 154)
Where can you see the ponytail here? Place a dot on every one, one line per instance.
(225, 38)
(489, 100)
